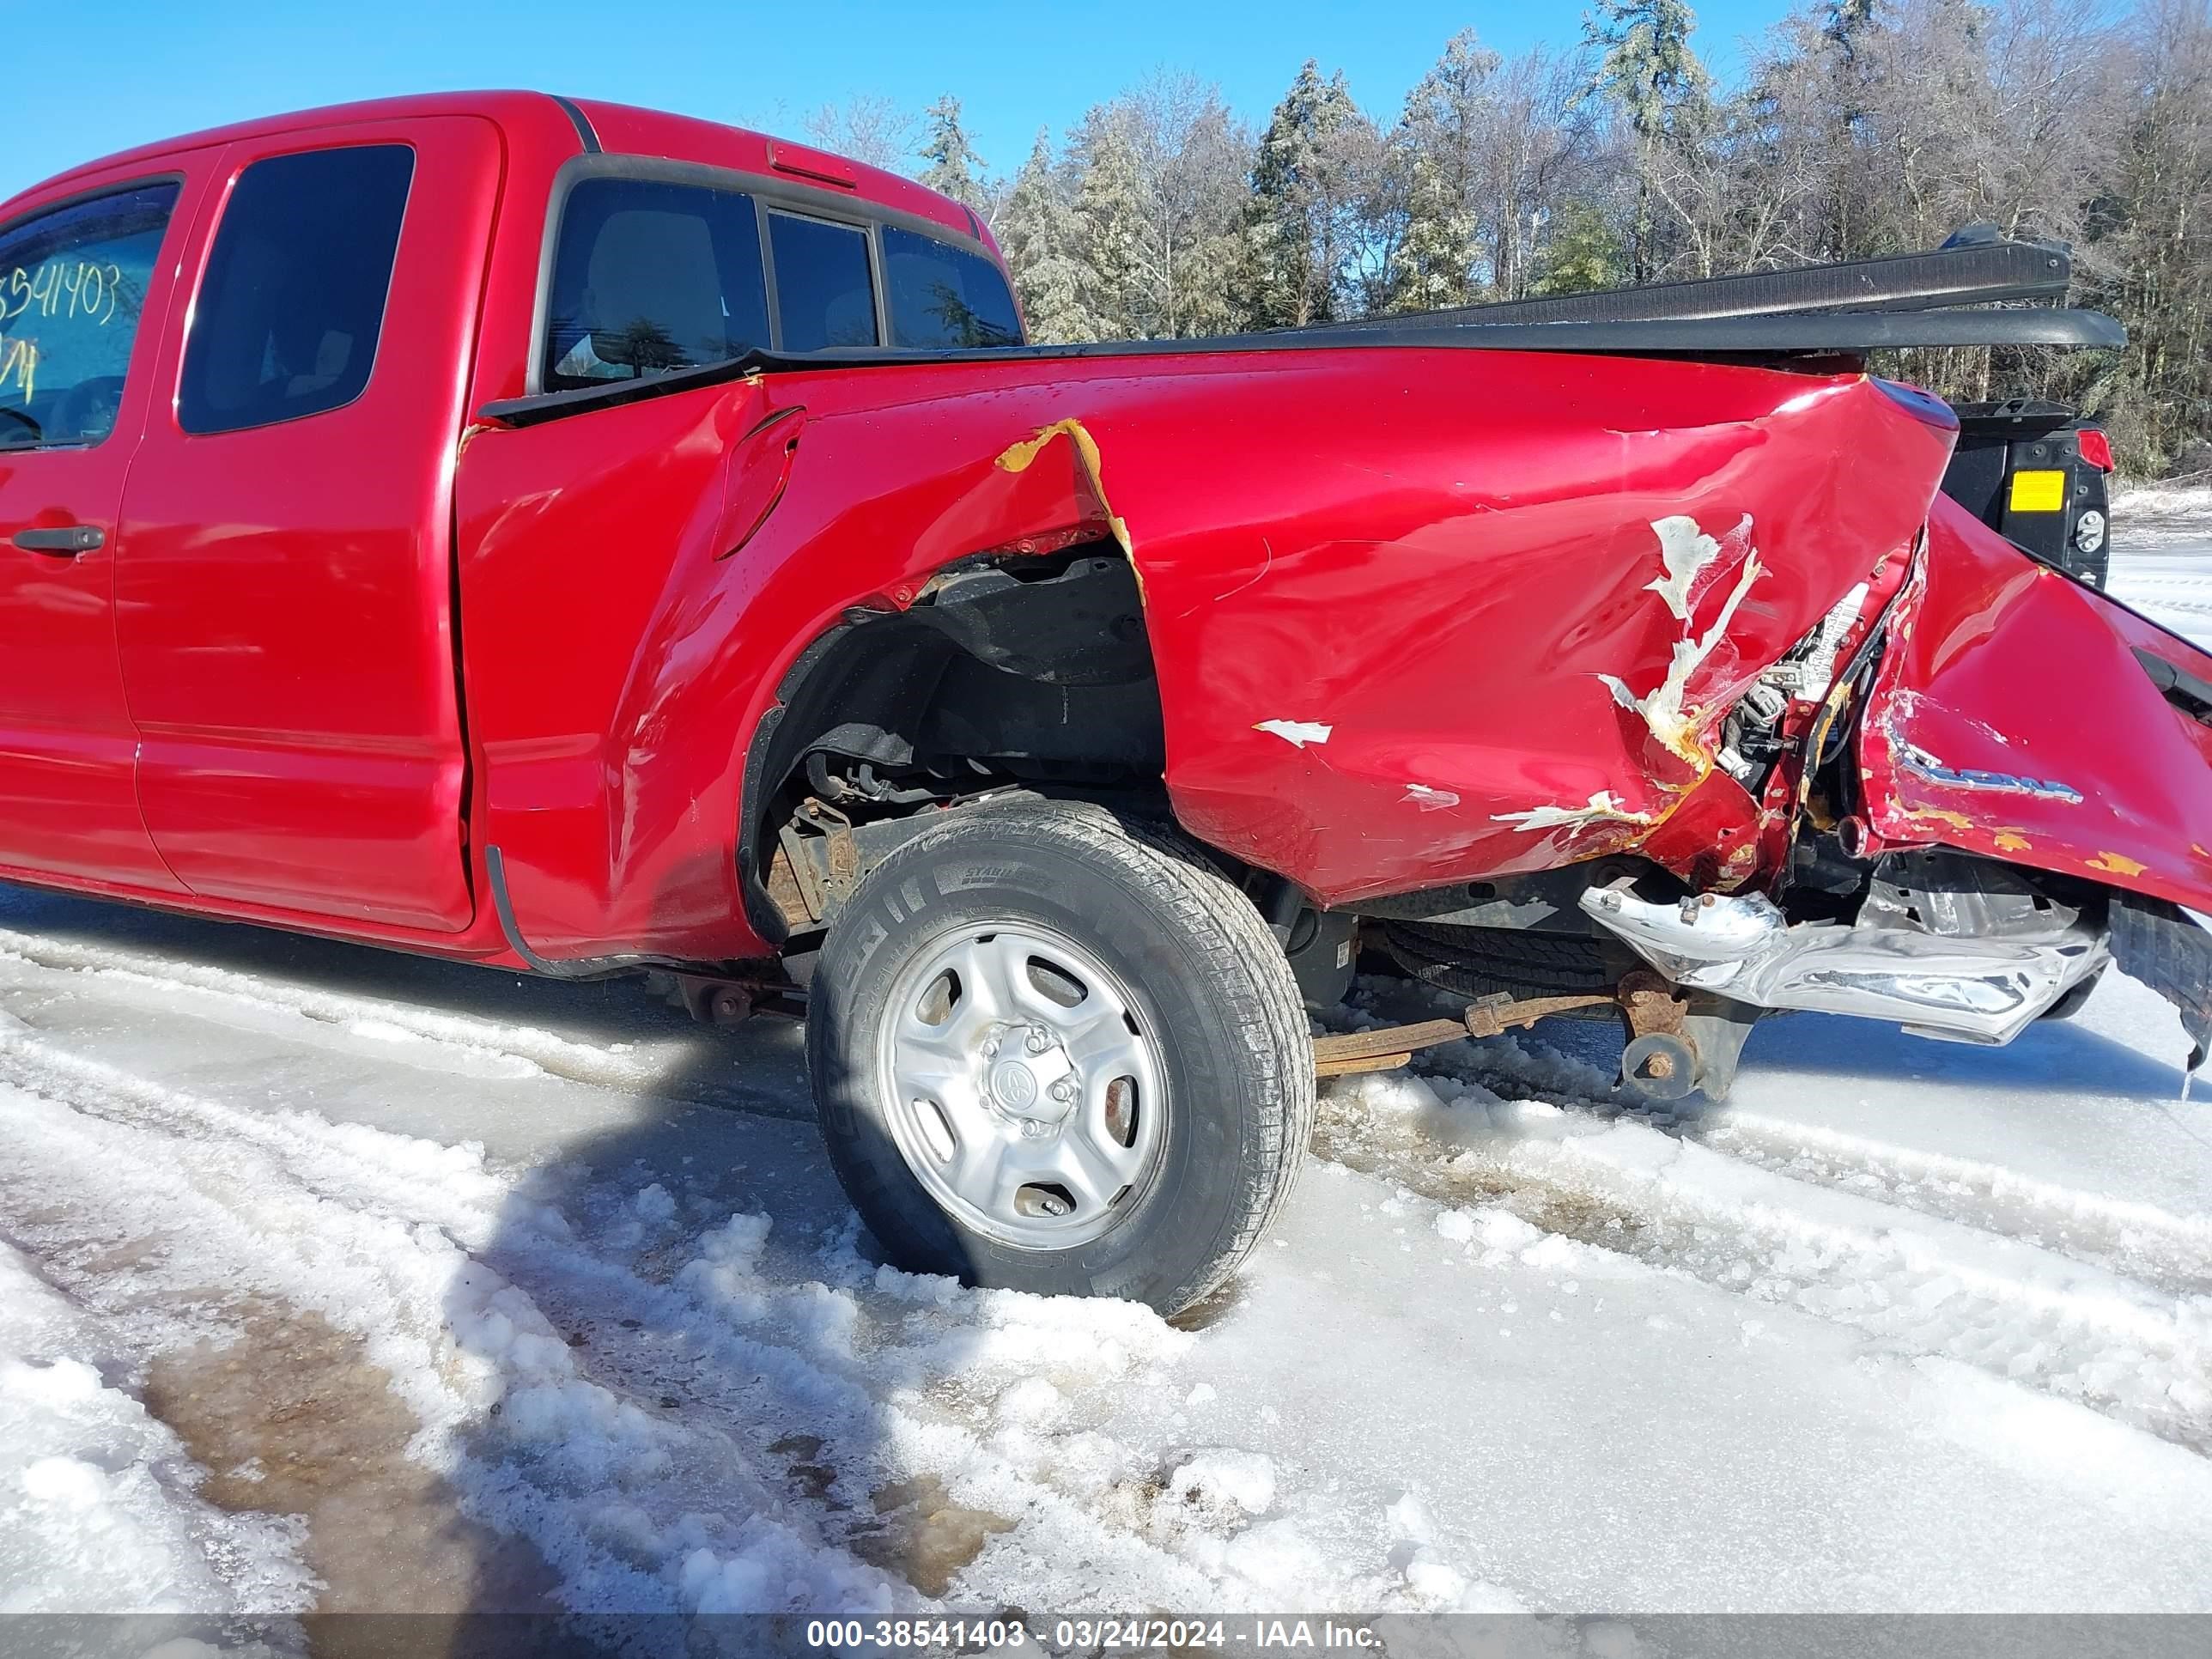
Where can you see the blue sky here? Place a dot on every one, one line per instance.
(128, 72)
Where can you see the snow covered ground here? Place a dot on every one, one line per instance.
(2162, 556)
(334, 1279)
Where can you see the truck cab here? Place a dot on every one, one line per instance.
(239, 374)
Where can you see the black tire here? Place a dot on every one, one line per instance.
(1215, 989)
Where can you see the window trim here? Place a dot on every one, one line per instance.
(227, 192)
(768, 194)
(138, 341)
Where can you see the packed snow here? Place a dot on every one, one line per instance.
(562, 1282)
(2162, 556)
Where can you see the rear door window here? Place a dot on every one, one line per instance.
(650, 276)
(289, 311)
(824, 295)
(73, 282)
(943, 296)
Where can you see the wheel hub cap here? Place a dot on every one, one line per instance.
(1024, 1087)
(1037, 1086)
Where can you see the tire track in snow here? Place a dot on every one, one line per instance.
(2158, 599)
(1912, 1283)
(388, 1238)
(2168, 1252)
(526, 1048)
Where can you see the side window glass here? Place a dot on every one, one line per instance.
(943, 296)
(73, 284)
(288, 313)
(824, 296)
(649, 277)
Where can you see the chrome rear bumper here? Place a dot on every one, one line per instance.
(1962, 989)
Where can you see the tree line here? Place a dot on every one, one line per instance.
(1858, 128)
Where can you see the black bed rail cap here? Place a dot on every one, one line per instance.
(1969, 270)
(1828, 337)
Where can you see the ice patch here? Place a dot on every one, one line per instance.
(1409, 1519)
(1031, 1401)
(1244, 1479)
(1279, 1558)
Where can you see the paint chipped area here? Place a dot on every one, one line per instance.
(1603, 807)
(1689, 558)
(1692, 560)
(1430, 799)
(1298, 733)
(1019, 458)
(1694, 565)
(2118, 864)
(1939, 815)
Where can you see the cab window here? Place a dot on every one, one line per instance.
(650, 276)
(73, 284)
(823, 294)
(943, 296)
(288, 313)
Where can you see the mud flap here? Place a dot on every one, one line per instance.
(2162, 945)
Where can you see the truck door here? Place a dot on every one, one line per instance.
(284, 605)
(83, 291)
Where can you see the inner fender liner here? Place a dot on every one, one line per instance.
(1082, 625)
(2162, 945)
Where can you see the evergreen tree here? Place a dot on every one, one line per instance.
(1109, 213)
(1294, 243)
(1440, 138)
(1646, 67)
(1435, 263)
(1583, 252)
(954, 168)
(1040, 235)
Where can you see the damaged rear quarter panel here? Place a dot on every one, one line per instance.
(1454, 567)
(2011, 719)
(1414, 612)
(1401, 601)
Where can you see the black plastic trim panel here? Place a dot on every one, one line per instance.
(581, 121)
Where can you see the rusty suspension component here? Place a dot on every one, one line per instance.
(1392, 1046)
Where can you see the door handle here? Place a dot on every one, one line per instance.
(67, 543)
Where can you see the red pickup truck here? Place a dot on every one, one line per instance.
(584, 540)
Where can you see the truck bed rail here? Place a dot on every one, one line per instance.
(1773, 339)
(1962, 272)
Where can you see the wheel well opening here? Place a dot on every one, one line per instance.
(1031, 670)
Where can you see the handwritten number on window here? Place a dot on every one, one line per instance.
(64, 288)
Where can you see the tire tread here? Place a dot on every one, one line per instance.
(1239, 953)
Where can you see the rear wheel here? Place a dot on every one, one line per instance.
(1055, 1054)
